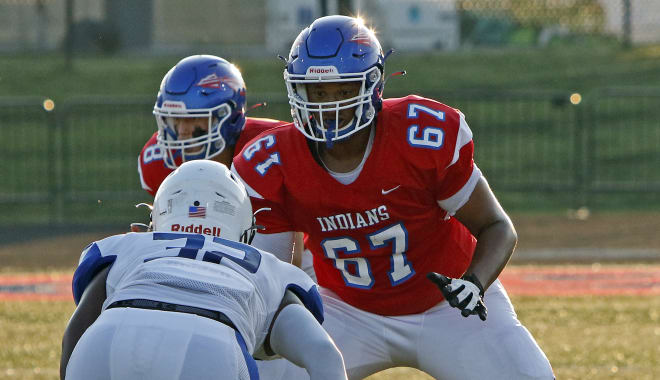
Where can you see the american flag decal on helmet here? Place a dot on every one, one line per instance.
(361, 39)
(211, 80)
(214, 81)
(197, 212)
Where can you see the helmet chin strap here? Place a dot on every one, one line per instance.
(330, 132)
(248, 235)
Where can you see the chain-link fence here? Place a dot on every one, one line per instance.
(77, 164)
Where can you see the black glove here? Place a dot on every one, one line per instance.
(465, 293)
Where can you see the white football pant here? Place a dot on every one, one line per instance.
(128, 343)
(438, 341)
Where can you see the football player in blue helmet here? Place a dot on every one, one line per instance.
(418, 287)
(201, 114)
(342, 51)
(200, 109)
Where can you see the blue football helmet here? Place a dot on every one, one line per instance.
(334, 49)
(200, 86)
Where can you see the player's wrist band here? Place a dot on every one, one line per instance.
(473, 279)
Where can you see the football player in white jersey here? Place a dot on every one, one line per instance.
(191, 300)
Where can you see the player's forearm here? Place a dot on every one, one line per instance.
(297, 336)
(495, 245)
(88, 310)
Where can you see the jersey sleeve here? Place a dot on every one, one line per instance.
(258, 166)
(253, 127)
(92, 261)
(439, 146)
(460, 175)
(151, 167)
(304, 287)
(143, 181)
(278, 277)
(311, 298)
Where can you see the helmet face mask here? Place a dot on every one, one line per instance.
(200, 86)
(203, 197)
(204, 142)
(334, 49)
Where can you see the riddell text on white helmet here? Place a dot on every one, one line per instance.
(196, 229)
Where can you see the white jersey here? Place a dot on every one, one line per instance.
(203, 271)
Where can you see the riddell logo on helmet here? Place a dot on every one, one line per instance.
(197, 229)
(175, 105)
(322, 70)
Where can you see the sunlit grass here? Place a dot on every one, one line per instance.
(31, 337)
(584, 337)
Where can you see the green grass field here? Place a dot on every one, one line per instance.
(584, 337)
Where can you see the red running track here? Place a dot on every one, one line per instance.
(28, 287)
(560, 280)
(582, 280)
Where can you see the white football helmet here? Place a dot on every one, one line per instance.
(203, 197)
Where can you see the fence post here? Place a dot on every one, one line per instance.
(48, 106)
(627, 24)
(65, 157)
(589, 124)
(69, 34)
(581, 169)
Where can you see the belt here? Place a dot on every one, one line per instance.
(166, 306)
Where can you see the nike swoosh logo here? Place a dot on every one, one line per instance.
(390, 190)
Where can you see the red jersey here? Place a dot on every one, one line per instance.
(375, 239)
(151, 166)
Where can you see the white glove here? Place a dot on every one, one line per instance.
(464, 293)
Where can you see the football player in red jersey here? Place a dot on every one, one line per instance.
(200, 113)
(398, 216)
